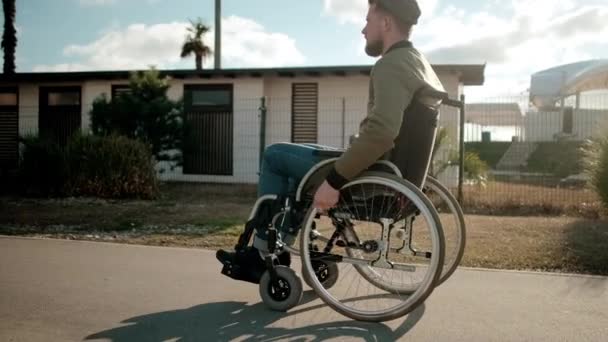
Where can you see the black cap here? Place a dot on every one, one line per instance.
(407, 11)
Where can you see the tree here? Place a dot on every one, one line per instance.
(144, 113)
(194, 43)
(9, 37)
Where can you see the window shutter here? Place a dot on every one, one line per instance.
(304, 109)
(9, 127)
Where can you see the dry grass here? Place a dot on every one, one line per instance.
(498, 198)
(212, 216)
(564, 244)
(180, 204)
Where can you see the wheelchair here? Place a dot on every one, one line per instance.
(385, 235)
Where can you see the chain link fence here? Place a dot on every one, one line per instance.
(516, 158)
(534, 158)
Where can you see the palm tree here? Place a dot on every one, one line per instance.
(9, 37)
(194, 43)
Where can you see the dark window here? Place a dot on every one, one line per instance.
(64, 98)
(120, 89)
(215, 97)
(211, 97)
(8, 98)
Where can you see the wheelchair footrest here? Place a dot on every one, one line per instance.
(238, 273)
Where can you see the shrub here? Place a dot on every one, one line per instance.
(595, 161)
(561, 158)
(42, 168)
(475, 169)
(489, 152)
(111, 167)
(107, 167)
(144, 113)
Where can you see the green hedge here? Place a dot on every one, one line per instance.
(561, 158)
(106, 167)
(488, 152)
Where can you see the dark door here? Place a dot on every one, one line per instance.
(208, 148)
(9, 127)
(568, 120)
(60, 113)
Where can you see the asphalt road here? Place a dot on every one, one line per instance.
(53, 290)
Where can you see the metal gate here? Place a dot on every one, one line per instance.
(60, 113)
(208, 148)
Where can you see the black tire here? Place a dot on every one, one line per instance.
(328, 275)
(452, 257)
(285, 293)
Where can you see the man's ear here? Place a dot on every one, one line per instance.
(388, 23)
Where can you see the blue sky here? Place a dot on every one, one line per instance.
(514, 37)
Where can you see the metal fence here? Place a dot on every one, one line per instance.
(535, 157)
(517, 157)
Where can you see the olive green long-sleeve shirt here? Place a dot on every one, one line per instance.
(395, 80)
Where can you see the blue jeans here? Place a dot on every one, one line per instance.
(283, 167)
(285, 164)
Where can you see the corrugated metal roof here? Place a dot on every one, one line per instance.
(470, 74)
(549, 86)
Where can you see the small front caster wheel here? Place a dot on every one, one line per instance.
(284, 293)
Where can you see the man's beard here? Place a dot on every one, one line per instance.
(374, 48)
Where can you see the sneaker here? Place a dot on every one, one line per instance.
(225, 257)
(245, 265)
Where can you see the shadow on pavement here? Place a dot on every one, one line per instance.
(225, 321)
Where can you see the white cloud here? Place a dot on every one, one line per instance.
(347, 11)
(515, 38)
(516, 48)
(245, 43)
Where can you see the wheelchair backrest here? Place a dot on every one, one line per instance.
(414, 145)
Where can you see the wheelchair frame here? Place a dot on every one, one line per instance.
(281, 274)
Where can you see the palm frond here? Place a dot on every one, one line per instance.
(187, 49)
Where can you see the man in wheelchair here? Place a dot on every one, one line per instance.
(400, 126)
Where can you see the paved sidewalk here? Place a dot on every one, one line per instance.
(54, 290)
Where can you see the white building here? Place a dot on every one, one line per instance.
(503, 121)
(311, 104)
(567, 103)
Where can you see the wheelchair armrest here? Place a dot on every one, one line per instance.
(443, 96)
(328, 153)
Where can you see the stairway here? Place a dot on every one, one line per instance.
(516, 156)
